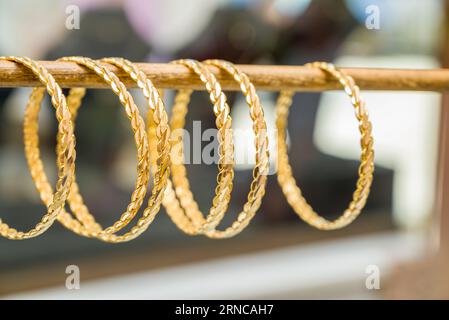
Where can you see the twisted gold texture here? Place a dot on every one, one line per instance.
(186, 203)
(89, 227)
(65, 154)
(260, 171)
(178, 199)
(161, 152)
(366, 168)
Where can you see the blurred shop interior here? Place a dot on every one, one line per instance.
(278, 255)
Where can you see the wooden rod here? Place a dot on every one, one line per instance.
(264, 77)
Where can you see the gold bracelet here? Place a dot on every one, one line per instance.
(161, 154)
(65, 154)
(366, 168)
(89, 227)
(179, 202)
(170, 202)
(260, 171)
(185, 212)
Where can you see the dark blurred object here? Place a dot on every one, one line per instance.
(105, 33)
(248, 36)
(4, 94)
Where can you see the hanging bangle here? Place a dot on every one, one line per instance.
(179, 202)
(65, 154)
(185, 212)
(366, 168)
(161, 154)
(260, 171)
(89, 227)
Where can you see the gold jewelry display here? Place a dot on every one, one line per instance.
(90, 227)
(159, 147)
(366, 168)
(65, 154)
(187, 205)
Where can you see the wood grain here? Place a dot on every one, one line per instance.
(264, 77)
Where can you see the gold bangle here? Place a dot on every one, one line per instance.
(65, 154)
(170, 202)
(161, 154)
(89, 227)
(366, 168)
(185, 212)
(260, 171)
(179, 202)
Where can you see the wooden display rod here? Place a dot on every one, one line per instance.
(264, 77)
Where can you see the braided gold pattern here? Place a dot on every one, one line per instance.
(260, 171)
(65, 154)
(366, 168)
(159, 117)
(90, 227)
(163, 150)
(170, 202)
(32, 153)
(179, 202)
(185, 212)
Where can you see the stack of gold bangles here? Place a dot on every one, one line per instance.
(154, 144)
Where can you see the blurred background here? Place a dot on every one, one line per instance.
(277, 256)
